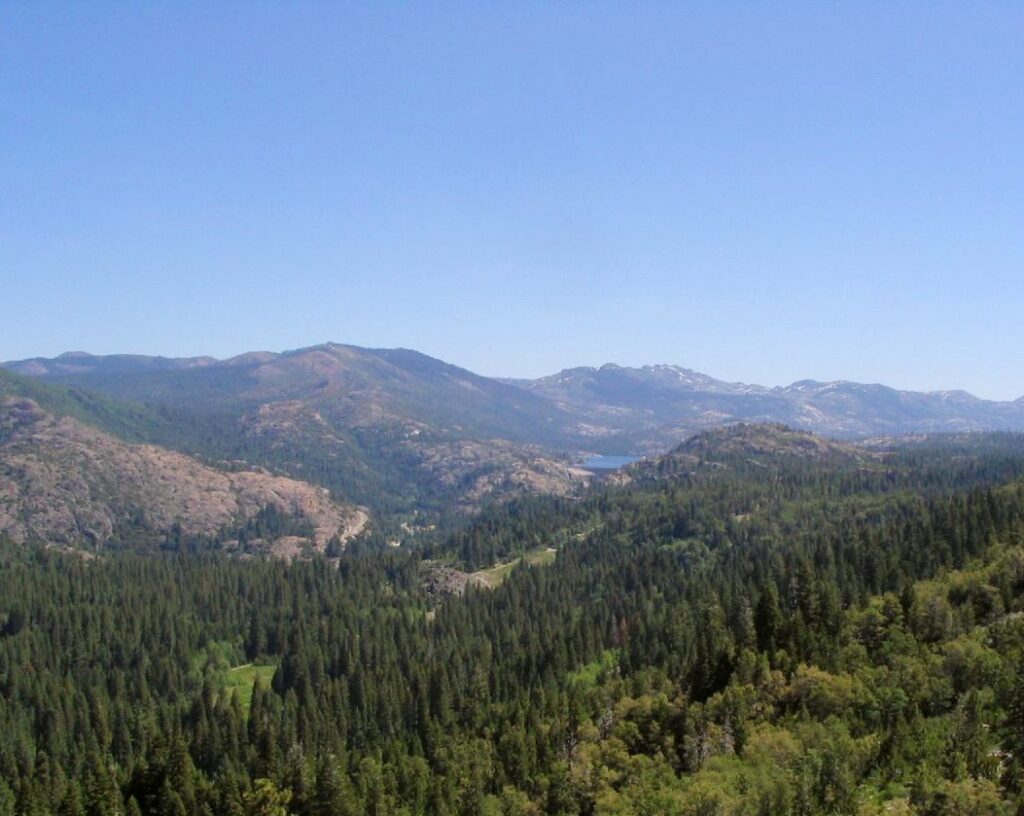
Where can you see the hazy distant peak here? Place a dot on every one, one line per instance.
(681, 376)
(82, 362)
(804, 385)
(668, 367)
(250, 358)
(819, 388)
(955, 394)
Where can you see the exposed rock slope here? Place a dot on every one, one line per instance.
(63, 482)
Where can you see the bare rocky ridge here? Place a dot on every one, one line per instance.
(65, 483)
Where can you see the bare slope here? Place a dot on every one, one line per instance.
(66, 483)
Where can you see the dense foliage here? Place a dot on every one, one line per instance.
(778, 637)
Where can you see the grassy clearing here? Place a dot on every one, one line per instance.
(588, 675)
(241, 678)
(496, 575)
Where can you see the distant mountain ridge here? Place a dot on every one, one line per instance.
(391, 429)
(81, 362)
(363, 384)
(655, 406)
(406, 395)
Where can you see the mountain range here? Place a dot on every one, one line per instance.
(653, 407)
(581, 408)
(407, 437)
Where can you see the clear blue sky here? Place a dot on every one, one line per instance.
(764, 192)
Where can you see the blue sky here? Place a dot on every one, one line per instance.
(764, 192)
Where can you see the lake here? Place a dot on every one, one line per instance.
(609, 462)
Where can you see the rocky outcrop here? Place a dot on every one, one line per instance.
(65, 483)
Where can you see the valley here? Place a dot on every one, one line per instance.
(511, 409)
(760, 620)
(344, 581)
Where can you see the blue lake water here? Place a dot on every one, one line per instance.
(609, 462)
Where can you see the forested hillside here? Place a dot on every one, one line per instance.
(745, 632)
(407, 436)
(671, 460)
